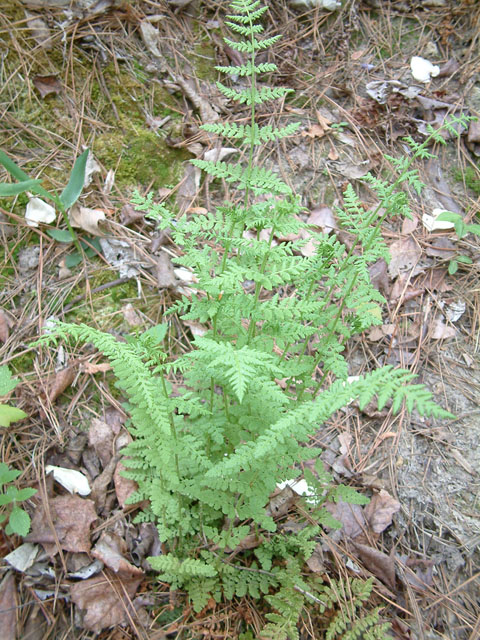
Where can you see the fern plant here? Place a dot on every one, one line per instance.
(208, 458)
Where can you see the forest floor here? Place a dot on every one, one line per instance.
(132, 81)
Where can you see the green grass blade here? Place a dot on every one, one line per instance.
(75, 185)
(13, 168)
(14, 188)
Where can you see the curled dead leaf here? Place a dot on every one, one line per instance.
(380, 510)
(86, 219)
(45, 85)
(111, 550)
(377, 562)
(63, 379)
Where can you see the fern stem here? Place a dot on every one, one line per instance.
(173, 429)
(258, 288)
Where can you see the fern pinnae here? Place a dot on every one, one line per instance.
(208, 457)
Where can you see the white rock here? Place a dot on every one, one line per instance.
(423, 70)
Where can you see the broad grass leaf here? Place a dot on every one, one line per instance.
(14, 188)
(60, 235)
(75, 185)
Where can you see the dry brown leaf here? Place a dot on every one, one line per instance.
(378, 563)
(151, 38)
(441, 247)
(281, 502)
(379, 511)
(129, 215)
(46, 85)
(71, 516)
(356, 55)
(352, 170)
(8, 607)
(345, 439)
(409, 225)
(405, 254)
(124, 487)
(104, 599)
(350, 515)
(333, 155)
(100, 367)
(196, 328)
(101, 483)
(441, 331)
(322, 217)
(101, 437)
(86, 219)
(442, 190)
(63, 379)
(315, 131)
(379, 276)
(131, 316)
(4, 326)
(380, 332)
(316, 562)
(111, 550)
(310, 248)
(164, 270)
(188, 189)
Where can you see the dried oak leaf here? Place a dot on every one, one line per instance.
(87, 219)
(350, 515)
(71, 516)
(377, 562)
(405, 254)
(124, 487)
(111, 550)
(104, 599)
(63, 379)
(46, 85)
(379, 511)
(8, 607)
(100, 437)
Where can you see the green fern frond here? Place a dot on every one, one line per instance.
(244, 133)
(253, 45)
(257, 179)
(253, 95)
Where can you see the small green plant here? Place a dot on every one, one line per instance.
(8, 414)
(10, 496)
(62, 202)
(267, 374)
(461, 229)
(18, 519)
